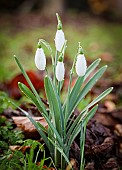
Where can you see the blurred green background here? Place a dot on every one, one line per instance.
(96, 24)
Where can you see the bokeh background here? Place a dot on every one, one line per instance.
(95, 23)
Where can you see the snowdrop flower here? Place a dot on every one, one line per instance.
(60, 71)
(40, 59)
(59, 37)
(59, 40)
(81, 64)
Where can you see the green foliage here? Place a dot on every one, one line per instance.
(4, 101)
(30, 161)
(8, 135)
(16, 160)
(11, 160)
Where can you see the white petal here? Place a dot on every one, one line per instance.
(60, 71)
(59, 40)
(81, 65)
(40, 59)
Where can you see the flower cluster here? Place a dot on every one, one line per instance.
(40, 59)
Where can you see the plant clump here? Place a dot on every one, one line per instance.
(62, 127)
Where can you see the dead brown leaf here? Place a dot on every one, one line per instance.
(27, 127)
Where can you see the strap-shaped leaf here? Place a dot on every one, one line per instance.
(75, 90)
(62, 152)
(100, 97)
(38, 128)
(54, 104)
(77, 87)
(87, 88)
(54, 130)
(30, 95)
(77, 128)
(42, 127)
(82, 144)
(30, 84)
(92, 67)
(75, 123)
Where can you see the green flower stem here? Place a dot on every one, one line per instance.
(82, 143)
(67, 99)
(54, 67)
(47, 45)
(59, 88)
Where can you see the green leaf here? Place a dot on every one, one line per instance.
(62, 152)
(54, 104)
(75, 123)
(87, 88)
(90, 114)
(100, 97)
(31, 85)
(38, 128)
(42, 127)
(30, 95)
(54, 130)
(77, 128)
(92, 67)
(82, 144)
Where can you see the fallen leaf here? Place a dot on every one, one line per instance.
(36, 79)
(27, 127)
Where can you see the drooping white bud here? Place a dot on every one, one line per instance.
(60, 71)
(81, 65)
(40, 59)
(59, 40)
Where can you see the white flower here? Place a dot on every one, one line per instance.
(59, 40)
(40, 59)
(81, 65)
(60, 71)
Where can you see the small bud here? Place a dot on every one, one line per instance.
(59, 40)
(59, 26)
(81, 65)
(80, 49)
(40, 59)
(60, 71)
(60, 57)
(39, 45)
